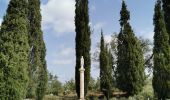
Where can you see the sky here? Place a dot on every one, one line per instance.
(59, 35)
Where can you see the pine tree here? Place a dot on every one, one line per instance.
(83, 42)
(14, 50)
(105, 69)
(166, 9)
(130, 65)
(37, 65)
(161, 50)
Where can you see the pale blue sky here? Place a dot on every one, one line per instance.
(59, 35)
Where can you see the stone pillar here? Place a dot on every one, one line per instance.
(82, 79)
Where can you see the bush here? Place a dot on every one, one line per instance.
(56, 87)
(69, 86)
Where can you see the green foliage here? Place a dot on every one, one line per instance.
(42, 74)
(31, 89)
(146, 94)
(105, 69)
(161, 50)
(83, 42)
(130, 61)
(147, 46)
(70, 86)
(14, 52)
(166, 9)
(37, 65)
(94, 85)
(56, 87)
(125, 14)
(148, 90)
(91, 86)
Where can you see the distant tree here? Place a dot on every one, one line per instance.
(97, 84)
(105, 69)
(147, 47)
(37, 65)
(94, 84)
(166, 11)
(161, 71)
(83, 42)
(56, 86)
(14, 50)
(50, 78)
(91, 86)
(70, 85)
(130, 62)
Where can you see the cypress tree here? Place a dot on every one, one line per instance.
(166, 9)
(161, 51)
(105, 69)
(83, 42)
(130, 65)
(14, 50)
(37, 65)
(42, 74)
(111, 59)
(102, 60)
(111, 67)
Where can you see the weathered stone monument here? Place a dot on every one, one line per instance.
(82, 79)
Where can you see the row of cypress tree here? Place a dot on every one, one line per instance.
(23, 71)
(130, 75)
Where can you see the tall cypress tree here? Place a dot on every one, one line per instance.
(166, 9)
(14, 50)
(37, 65)
(102, 60)
(83, 42)
(130, 65)
(105, 69)
(111, 67)
(161, 50)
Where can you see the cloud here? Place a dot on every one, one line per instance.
(107, 38)
(63, 56)
(67, 51)
(0, 21)
(97, 26)
(64, 52)
(63, 61)
(58, 16)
